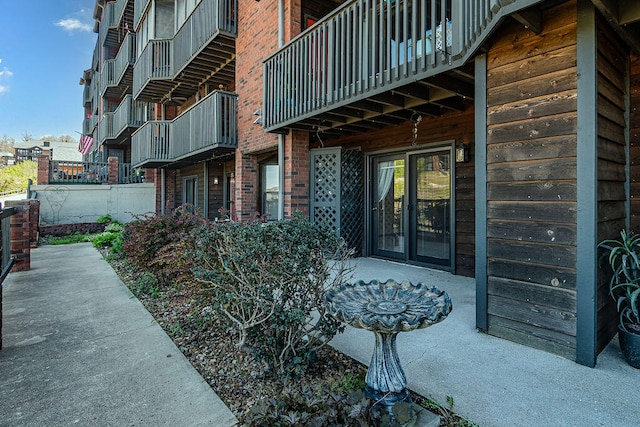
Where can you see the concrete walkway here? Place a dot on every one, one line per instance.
(495, 382)
(79, 349)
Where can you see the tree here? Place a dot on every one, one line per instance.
(16, 177)
(26, 136)
(6, 143)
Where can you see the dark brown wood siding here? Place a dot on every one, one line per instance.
(188, 171)
(612, 65)
(456, 126)
(634, 137)
(216, 191)
(531, 182)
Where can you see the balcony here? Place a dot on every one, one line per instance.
(117, 73)
(207, 127)
(116, 15)
(116, 127)
(202, 51)
(373, 63)
(87, 95)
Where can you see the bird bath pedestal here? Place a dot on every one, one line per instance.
(387, 309)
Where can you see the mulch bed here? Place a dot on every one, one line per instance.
(209, 344)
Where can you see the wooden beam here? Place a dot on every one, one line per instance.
(629, 12)
(587, 186)
(480, 96)
(530, 18)
(451, 84)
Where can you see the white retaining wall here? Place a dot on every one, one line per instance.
(71, 204)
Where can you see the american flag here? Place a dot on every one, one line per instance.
(85, 144)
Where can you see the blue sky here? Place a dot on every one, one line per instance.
(45, 45)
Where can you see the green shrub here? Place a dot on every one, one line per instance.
(157, 243)
(104, 219)
(269, 280)
(105, 239)
(114, 227)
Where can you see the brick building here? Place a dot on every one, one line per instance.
(492, 139)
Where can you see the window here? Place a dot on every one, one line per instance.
(269, 190)
(190, 190)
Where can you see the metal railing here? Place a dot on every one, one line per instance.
(366, 47)
(211, 123)
(70, 172)
(129, 175)
(5, 249)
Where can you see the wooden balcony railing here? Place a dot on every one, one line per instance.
(367, 47)
(139, 8)
(87, 96)
(113, 70)
(129, 114)
(150, 144)
(164, 59)
(210, 18)
(154, 63)
(110, 25)
(208, 125)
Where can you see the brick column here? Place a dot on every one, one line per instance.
(296, 174)
(169, 188)
(34, 222)
(20, 235)
(43, 168)
(246, 187)
(112, 170)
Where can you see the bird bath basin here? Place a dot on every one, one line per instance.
(387, 309)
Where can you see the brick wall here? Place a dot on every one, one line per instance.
(112, 170)
(296, 174)
(258, 37)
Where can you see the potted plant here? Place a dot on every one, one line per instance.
(624, 287)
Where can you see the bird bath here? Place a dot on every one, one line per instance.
(387, 309)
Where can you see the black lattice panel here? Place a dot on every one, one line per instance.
(326, 216)
(326, 178)
(352, 199)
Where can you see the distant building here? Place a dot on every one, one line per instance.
(30, 150)
(7, 158)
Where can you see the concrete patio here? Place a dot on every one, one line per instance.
(495, 382)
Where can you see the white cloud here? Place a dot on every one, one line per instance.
(5, 72)
(3, 89)
(73, 24)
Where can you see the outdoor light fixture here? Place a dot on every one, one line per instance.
(462, 153)
(216, 180)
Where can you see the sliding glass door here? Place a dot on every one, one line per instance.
(411, 207)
